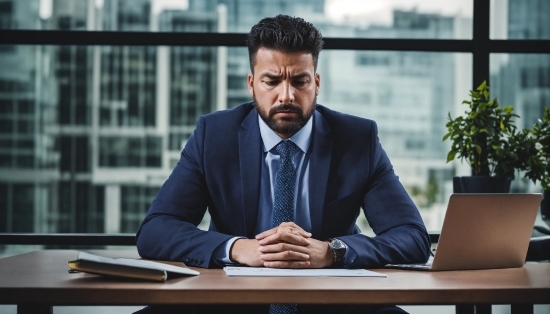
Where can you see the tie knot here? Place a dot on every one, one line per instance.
(286, 148)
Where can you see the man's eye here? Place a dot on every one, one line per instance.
(271, 83)
(300, 83)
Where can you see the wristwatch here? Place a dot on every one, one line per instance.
(339, 249)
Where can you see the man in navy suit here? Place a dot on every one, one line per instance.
(229, 166)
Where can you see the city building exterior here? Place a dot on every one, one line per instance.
(27, 154)
(87, 143)
(88, 134)
(523, 80)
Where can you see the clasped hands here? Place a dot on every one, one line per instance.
(285, 246)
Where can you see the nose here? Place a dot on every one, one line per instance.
(287, 93)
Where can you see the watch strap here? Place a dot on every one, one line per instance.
(338, 248)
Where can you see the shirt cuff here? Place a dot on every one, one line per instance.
(222, 252)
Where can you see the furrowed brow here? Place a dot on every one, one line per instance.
(300, 76)
(271, 76)
(278, 77)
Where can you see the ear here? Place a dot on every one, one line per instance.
(250, 83)
(317, 83)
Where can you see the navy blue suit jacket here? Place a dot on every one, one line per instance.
(219, 170)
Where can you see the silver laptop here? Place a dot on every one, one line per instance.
(483, 231)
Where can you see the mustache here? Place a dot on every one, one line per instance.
(285, 108)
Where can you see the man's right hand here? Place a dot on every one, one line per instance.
(246, 252)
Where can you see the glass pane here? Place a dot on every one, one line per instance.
(335, 18)
(523, 81)
(520, 19)
(135, 202)
(409, 95)
(95, 147)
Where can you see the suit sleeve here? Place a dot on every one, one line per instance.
(401, 236)
(169, 230)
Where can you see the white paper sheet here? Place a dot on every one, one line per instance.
(275, 272)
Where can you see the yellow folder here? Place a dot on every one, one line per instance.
(127, 268)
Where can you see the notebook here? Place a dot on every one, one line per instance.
(483, 231)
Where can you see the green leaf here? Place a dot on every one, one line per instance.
(509, 109)
(482, 86)
(451, 155)
(478, 149)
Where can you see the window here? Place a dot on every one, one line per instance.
(522, 80)
(99, 121)
(527, 19)
(130, 152)
(135, 201)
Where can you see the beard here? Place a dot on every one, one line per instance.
(286, 126)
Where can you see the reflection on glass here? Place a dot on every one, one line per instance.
(523, 81)
(409, 95)
(335, 18)
(88, 134)
(520, 19)
(135, 201)
(128, 86)
(69, 154)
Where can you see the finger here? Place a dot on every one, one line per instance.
(285, 237)
(300, 232)
(295, 228)
(290, 226)
(267, 233)
(281, 247)
(295, 239)
(287, 264)
(285, 256)
(289, 233)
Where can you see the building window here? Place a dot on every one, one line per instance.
(76, 116)
(133, 152)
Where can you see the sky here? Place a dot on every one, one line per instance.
(380, 11)
(158, 5)
(373, 11)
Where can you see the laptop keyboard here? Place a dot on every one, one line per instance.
(426, 266)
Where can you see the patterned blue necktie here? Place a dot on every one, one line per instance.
(285, 178)
(283, 209)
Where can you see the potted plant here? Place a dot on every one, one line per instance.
(538, 161)
(487, 138)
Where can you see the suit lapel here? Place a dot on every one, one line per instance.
(319, 167)
(250, 151)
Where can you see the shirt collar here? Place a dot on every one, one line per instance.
(270, 139)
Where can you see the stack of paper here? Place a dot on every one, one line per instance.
(275, 272)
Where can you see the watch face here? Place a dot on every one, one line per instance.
(338, 248)
(337, 244)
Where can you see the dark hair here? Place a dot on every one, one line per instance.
(284, 33)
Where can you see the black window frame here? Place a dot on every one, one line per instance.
(480, 46)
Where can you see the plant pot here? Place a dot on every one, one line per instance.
(481, 184)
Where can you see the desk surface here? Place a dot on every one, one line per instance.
(42, 277)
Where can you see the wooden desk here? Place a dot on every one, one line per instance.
(38, 280)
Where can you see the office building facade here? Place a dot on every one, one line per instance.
(89, 133)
